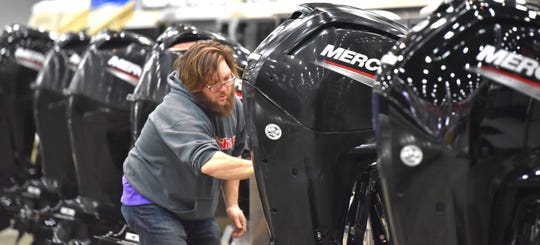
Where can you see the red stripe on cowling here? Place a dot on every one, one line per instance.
(510, 75)
(349, 68)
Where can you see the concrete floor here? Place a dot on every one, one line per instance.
(9, 237)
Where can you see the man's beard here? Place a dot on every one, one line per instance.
(222, 111)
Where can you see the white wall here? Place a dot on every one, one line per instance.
(15, 11)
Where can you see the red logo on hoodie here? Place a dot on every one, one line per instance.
(225, 143)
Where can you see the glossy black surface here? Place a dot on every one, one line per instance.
(50, 114)
(307, 93)
(462, 87)
(98, 112)
(22, 53)
(62, 61)
(314, 84)
(111, 67)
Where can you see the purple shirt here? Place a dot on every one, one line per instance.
(130, 196)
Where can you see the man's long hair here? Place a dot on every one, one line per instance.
(198, 66)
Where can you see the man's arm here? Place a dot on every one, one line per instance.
(235, 214)
(225, 167)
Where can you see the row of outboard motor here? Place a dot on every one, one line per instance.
(358, 126)
(86, 98)
(424, 136)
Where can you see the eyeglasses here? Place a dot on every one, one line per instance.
(217, 86)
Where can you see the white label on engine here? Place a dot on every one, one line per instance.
(67, 211)
(272, 131)
(132, 237)
(411, 155)
(351, 57)
(33, 190)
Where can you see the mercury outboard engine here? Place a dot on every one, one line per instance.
(58, 179)
(50, 114)
(98, 123)
(457, 115)
(153, 84)
(307, 93)
(22, 52)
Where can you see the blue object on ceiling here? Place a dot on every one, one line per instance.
(98, 3)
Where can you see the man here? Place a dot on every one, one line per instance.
(173, 174)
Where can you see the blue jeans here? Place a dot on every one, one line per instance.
(156, 225)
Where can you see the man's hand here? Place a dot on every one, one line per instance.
(238, 219)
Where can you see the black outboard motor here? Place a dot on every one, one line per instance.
(98, 123)
(153, 85)
(22, 53)
(58, 180)
(57, 165)
(307, 93)
(457, 115)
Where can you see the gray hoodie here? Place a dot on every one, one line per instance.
(176, 140)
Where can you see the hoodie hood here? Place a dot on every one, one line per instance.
(177, 86)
